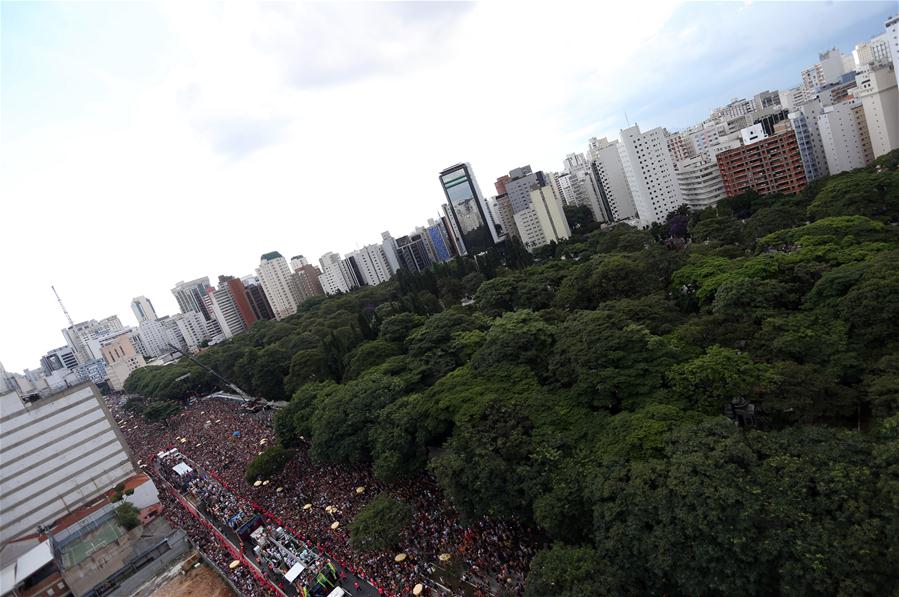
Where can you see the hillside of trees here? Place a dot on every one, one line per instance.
(603, 391)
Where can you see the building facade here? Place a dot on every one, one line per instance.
(57, 452)
(879, 94)
(650, 173)
(700, 182)
(189, 296)
(844, 133)
(468, 209)
(143, 309)
(772, 165)
(280, 285)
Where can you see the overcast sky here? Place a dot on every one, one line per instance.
(143, 144)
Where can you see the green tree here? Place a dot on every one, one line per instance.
(710, 381)
(379, 525)
(271, 462)
(127, 516)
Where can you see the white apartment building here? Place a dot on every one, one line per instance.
(389, 246)
(57, 452)
(220, 303)
(751, 134)
(892, 36)
(190, 296)
(650, 173)
(193, 329)
(372, 264)
(544, 221)
(156, 336)
(804, 120)
(279, 285)
(844, 134)
(608, 163)
(879, 94)
(332, 277)
(700, 181)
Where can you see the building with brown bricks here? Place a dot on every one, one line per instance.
(768, 166)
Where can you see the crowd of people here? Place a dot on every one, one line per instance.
(485, 557)
(209, 545)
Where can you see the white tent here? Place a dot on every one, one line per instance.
(294, 572)
(337, 592)
(182, 469)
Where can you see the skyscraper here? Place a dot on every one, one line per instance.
(649, 169)
(844, 133)
(190, 296)
(468, 209)
(279, 284)
(543, 221)
(333, 277)
(372, 264)
(143, 309)
(262, 309)
(879, 94)
(222, 304)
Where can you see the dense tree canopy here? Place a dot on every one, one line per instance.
(590, 390)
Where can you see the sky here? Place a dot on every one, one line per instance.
(146, 143)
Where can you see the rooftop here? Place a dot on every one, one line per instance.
(271, 256)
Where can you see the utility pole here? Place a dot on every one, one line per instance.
(63, 307)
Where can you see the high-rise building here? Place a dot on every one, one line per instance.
(468, 209)
(501, 208)
(371, 263)
(610, 170)
(771, 165)
(143, 309)
(413, 253)
(804, 120)
(223, 306)
(280, 285)
(256, 296)
(892, 37)
(650, 173)
(308, 281)
(518, 187)
(192, 328)
(241, 300)
(766, 99)
(543, 221)
(190, 296)
(389, 246)
(333, 277)
(844, 133)
(879, 95)
(678, 147)
(439, 240)
(83, 337)
(700, 181)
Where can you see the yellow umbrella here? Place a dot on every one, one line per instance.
(198, 445)
(307, 507)
(257, 483)
(280, 489)
(335, 524)
(262, 441)
(399, 557)
(183, 440)
(329, 509)
(417, 589)
(234, 564)
(360, 490)
(266, 482)
(444, 557)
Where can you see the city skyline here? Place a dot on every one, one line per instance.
(145, 249)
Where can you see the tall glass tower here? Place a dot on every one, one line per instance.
(469, 211)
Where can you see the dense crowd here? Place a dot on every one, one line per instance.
(241, 577)
(488, 556)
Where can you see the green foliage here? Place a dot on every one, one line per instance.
(127, 516)
(271, 462)
(584, 394)
(378, 526)
(712, 380)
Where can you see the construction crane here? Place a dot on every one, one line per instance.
(249, 399)
(63, 307)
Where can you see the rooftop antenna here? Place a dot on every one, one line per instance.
(626, 119)
(63, 307)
